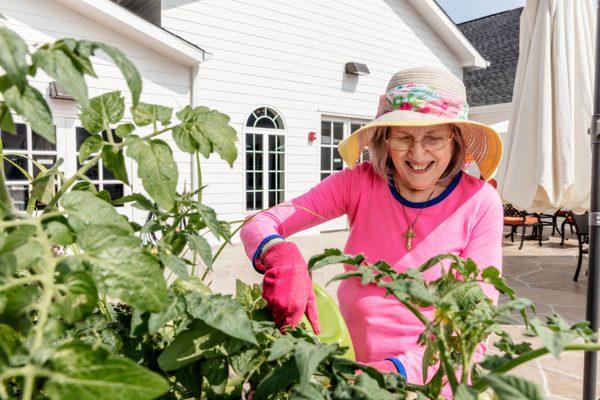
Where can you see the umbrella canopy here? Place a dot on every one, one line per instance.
(547, 159)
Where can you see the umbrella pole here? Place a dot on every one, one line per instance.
(593, 286)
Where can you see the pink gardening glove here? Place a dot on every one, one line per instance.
(287, 286)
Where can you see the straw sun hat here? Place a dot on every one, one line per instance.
(427, 96)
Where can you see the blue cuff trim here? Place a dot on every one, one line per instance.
(399, 367)
(259, 249)
(429, 203)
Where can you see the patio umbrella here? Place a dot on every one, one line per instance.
(547, 162)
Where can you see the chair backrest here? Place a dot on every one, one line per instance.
(510, 211)
(582, 223)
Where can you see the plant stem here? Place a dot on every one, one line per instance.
(4, 196)
(444, 357)
(81, 171)
(481, 385)
(43, 307)
(199, 173)
(20, 282)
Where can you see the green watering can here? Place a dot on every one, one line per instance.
(333, 326)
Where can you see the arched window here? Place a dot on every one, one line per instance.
(266, 118)
(265, 158)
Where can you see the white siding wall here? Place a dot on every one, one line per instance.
(291, 56)
(164, 81)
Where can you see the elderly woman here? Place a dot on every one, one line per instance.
(410, 202)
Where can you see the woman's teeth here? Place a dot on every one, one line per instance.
(419, 167)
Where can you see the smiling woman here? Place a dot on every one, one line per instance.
(409, 203)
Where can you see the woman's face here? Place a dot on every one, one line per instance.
(421, 165)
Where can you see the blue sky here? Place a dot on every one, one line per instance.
(467, 10)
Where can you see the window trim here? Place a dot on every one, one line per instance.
(265, 133)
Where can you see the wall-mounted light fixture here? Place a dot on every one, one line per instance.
(57, 92)
(355, 68)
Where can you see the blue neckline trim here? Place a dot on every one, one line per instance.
(260, 247)
(428, 203)
(399, 366)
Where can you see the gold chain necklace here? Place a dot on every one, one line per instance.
(410, 234)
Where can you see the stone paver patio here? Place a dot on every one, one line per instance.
(541, 274)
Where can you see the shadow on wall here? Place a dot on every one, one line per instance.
(349, 82)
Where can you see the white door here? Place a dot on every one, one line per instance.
(333, 131)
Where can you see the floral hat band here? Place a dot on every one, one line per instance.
(423, 99)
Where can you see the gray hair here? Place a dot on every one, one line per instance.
(382, 162)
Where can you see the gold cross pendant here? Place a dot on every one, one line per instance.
(409, 235)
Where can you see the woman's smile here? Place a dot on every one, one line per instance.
(421, 167)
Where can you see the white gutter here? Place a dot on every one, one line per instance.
(133, 27)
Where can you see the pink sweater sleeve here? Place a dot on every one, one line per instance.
(328, 200)
(485, 248)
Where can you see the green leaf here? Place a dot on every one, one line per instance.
(177, 265)
(84, 209)
(507, 387)
(13, 57)
(184, 139)
(156, 169)
(122, 269)
(60, 66)
(308, 356)
(189, 346)
(193, 285)
(277, 380)
(210, 218)
(312, 391)
(465, 393)
(249, 296)
(215, 371)
(244, 361)
(9, 241)
(281, 347)
(206, 131)
(146, 114)
(103, 110)
(115, 162)
(200, 245)
(368, 388)
(125, 130)
(91, 145)
(79, 54)
(80, 296)
(140, 200)
(216, 128)
(6, 121)
(10, 340)
(554, 340)
(17, 301)
(222, 313)
(33, 107)
(84, 374)
(128, 69)
(174, 309)
(44, 185)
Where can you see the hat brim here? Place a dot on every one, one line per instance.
(482, 142)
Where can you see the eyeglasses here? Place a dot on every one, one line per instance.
(428, 142)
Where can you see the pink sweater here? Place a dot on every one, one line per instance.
(466, 220)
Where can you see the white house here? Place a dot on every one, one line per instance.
(277, 68)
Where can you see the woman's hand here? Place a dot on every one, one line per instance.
(287, 286)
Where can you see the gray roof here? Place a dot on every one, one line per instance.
(496, 37)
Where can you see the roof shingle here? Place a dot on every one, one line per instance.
(496, 37)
